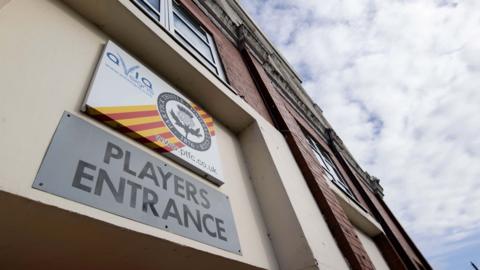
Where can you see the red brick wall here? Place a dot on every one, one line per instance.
(344, 174)
(325, 198)
(391, 256)
(398, 238)
(236, 71)
(387, 247)
(240, 78)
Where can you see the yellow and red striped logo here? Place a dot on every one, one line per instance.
(144, 124)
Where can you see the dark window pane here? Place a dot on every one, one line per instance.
(187, 30)
(155, 4)
(331, 171)
(329, 176)
(192, 38)
(151, 8)
(192, 23)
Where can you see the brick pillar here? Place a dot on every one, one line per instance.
(391, 256)
(338, 223)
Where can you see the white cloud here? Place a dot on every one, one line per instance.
(400, 82)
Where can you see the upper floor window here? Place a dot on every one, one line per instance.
(188, 31)
(331, 171)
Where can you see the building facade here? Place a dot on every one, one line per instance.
(168, 134)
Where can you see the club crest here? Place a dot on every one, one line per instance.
(184, 121)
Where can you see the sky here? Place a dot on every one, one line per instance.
(399, 80)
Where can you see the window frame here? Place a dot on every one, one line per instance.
(161, 13)
(168, 10)
(329, 167)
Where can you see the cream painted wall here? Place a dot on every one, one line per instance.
(315, 229)
(247, 214)
(3, 3)
(286, 234)
(48, 56)
(372, 251)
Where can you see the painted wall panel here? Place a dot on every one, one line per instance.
(49, 54)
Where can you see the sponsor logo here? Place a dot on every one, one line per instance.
(184, 121)
(131, 73)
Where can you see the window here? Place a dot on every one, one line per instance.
(186, 29)
(152, 7)
(329, 167)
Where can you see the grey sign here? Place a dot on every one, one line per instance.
(88, 165)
